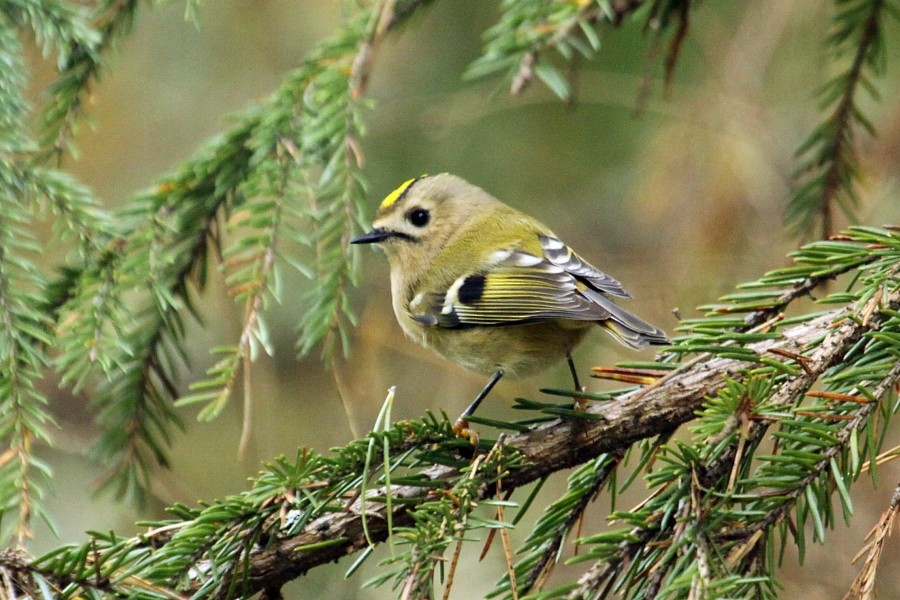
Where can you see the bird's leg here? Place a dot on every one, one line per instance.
(573, 372)
(461, 426)
(580, 403)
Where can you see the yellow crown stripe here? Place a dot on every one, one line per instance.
(391, 198)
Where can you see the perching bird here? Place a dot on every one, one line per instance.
(490, 288)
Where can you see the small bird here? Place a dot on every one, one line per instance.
(491, 288)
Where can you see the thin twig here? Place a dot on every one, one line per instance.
(863, 586)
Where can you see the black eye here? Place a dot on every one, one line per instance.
(418, 217)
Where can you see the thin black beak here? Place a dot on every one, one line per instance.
(373, 237)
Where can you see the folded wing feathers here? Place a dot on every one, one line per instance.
(564, 257)
(519, 287)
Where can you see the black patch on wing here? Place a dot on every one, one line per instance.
(471, 290)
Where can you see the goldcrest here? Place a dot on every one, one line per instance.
(490, 288)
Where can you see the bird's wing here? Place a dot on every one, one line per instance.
(560, 255)
(516, 287)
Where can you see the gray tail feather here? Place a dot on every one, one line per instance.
(636, 340)
(629, 329)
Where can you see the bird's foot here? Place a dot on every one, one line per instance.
(580, 404)
(461, 429)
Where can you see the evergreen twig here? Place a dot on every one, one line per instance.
(829, 171)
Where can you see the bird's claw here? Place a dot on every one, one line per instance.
(461, 429)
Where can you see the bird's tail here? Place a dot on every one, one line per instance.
(629, 329)
(636, 339)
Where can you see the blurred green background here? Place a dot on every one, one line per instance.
(681, 203)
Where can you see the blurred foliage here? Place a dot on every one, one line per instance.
(281, 192)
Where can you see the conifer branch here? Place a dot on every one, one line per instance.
(548, 552)
(81, 64)
(835, 176)
(602, 575)
(829, 170)
(880, 392)
(528, 30)
(23, 332)
(165, 250)
(747, 539)
(638, 415)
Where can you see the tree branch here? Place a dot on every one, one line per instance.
(560, 444)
